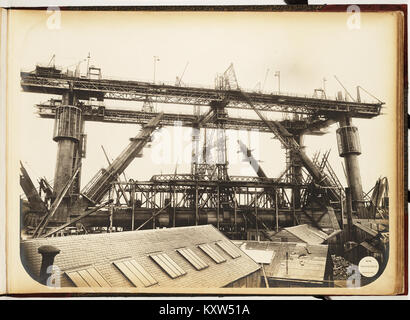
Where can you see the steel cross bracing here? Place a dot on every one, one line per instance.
(102, 114)
(162, 182)
(177, 201)
(205, 188)
(160, 93)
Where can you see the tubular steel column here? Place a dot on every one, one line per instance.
(349, 148)
(67, 133)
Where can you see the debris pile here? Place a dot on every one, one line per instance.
(340, 266)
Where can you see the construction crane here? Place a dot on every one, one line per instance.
(264, 81)
(346, 92)
(178, 81)
(52, 60)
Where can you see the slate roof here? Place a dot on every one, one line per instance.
(101, 251)
(305, 261)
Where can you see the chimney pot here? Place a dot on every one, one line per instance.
(48, 254)
(49, 250)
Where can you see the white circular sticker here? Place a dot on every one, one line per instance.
(368, 267)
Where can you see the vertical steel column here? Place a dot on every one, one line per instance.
(195, 150)
(349, 148)
(68, 126)
(217, 207)
(111, 196)
(234, 212)
(133, 207)
(174, 205)
(295, 221)
(256, 216)
(341, 206)
(153, 209)
(297, 171)
(276, 209)
(196, 205)
(349, 213)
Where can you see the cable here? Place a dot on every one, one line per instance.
(370, 94)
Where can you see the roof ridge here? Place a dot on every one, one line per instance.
(114, 234)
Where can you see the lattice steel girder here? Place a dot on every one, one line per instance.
(99, 185)
(232, 179)
(167, 185)
(207, 193)
(305, 126)
(139, 91)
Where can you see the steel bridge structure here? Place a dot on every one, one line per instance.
(208, 194)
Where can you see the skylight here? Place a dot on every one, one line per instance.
(135, 273)
(192, 258)
(89, 277)
(168, 265)
(233, 253)
(212, 253)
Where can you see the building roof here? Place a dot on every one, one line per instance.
(259, 256)
(308, 234)
(302, 261)
(299, 233)
(372, 226)
(192, 257)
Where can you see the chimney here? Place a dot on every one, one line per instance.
(48, 254)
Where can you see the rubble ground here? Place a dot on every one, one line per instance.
(340, 266)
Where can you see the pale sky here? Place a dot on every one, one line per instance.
(304, 47)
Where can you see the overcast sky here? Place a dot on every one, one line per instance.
(304, 47)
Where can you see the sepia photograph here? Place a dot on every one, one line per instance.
(181, 151)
